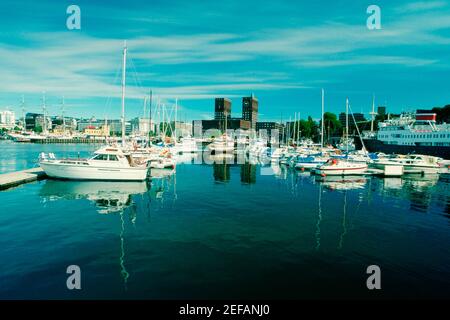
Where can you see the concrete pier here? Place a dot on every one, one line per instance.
(13, 179)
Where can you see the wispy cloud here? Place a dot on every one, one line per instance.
(192, 64)
(421, 6)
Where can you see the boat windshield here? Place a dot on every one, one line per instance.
(100, 156)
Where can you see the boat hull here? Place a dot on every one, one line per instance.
(373, 145)
(83, 172)
(341, 171)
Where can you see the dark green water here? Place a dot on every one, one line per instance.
(216, 231)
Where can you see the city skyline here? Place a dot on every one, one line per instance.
(284, 53)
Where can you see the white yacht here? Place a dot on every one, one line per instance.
(335, 167)
(108, 163)
(222, 145)
(421, 163)
(187, 145)
(342, 167)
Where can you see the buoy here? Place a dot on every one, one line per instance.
(323, 175)
(303, 169)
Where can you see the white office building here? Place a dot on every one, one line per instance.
(7, 119)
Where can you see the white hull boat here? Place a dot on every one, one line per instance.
(341, 168)
(108, 164)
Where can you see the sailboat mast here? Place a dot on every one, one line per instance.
(176, 118)
(123, 90)
(145, 114)
(44, 110)
(24, 125)
(150, 114)
(63, 116)
(323, 108)
(373, 113)
(346, 123)
(295, 126)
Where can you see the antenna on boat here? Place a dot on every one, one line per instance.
(124, 62)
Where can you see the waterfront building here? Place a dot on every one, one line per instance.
(90, 123)
(269, 126)
(197, 128)
(359, 117)
(222, 109)
(7, 119)
(142, 125)
(36, 122)
(183, 128)
(250, 110)
(102, 131)
(115, 125)
(232, 124)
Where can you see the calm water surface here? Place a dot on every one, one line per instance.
(223, 231)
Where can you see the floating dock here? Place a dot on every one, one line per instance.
(13, 179)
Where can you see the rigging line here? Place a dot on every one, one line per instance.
(135, 74)
(109, 98)
(136, 79)
(357, 129)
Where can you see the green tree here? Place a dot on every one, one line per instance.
(332, 126)
(442, 114)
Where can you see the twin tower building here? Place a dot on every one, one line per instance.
(222, 115)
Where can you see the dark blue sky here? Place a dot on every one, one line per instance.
(282, 51)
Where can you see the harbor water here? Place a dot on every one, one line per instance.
(222, 231)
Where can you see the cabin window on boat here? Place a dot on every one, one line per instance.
(113, 157)
(101, 157)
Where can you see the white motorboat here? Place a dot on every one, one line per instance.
(277, 154)
(187, 145)
(309, 162)
(108, 163)
(163, 163)
(420, 163)
(221, 145)
(159, 158)
(335, 167)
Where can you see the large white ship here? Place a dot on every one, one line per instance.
(410, 133)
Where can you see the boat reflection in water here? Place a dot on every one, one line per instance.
(118, 198)
(416, 188)
(108, 197)
(342, 183)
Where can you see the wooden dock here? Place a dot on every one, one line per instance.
(13, 179)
